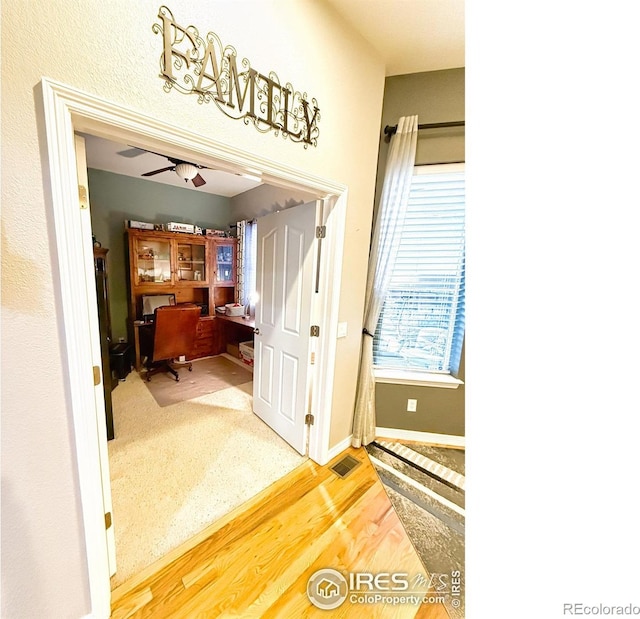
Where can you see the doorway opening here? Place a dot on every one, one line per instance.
(66, 111)
(184, 455)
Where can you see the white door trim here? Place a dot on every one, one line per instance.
(326, 308)
(66, 110)
(94, 333)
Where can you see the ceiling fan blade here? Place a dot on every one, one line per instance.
(171, 167)
(130, 153)
(198, 181)
(136, 151)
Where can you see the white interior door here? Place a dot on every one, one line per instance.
(284, 283)
(94, 328)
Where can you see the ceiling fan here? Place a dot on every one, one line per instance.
(184, 169)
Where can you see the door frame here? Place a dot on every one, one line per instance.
(65, 110)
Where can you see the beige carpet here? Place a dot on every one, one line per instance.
(177, 469)
(207, 376)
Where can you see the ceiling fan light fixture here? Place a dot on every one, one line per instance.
(186, 171)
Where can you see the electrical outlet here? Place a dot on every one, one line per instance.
(412, 405)
(121, 340)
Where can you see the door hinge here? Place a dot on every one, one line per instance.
(309, 419)
(107, 520)
(321, 232)
(82, 195)
(96, 375)
(315, 331)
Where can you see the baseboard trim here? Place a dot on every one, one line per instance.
(443, 440)
(338, 449)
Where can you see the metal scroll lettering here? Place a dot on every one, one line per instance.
(203, 66)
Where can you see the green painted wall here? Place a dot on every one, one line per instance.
(116, 198)
(436, 96)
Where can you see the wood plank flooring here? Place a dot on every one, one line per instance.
(257, 561)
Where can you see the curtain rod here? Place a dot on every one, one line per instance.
(389, 130)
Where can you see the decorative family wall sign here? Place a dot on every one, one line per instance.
(201, 66)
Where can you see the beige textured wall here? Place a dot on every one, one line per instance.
(266, 199)
(108, 49)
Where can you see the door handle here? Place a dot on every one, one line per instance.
(256, 331)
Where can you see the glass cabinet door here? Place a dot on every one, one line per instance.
(225, 272)
(153, 261)
(191, 264)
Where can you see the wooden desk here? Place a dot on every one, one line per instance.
(235, 329)
(210, 340)
(238, 320)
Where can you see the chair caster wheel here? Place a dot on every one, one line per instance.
(190, 369)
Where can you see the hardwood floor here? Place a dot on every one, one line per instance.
(257, 561)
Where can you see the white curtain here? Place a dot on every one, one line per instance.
(384, 245)
(247, 249)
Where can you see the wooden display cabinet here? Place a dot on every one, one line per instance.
(167, 258)
(196, 269)
(224, 273)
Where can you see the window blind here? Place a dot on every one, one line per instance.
(247, 258)
(421, 325)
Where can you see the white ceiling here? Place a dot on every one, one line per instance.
(409, 36)
(106, 155)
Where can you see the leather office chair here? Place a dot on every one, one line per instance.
(173, 334)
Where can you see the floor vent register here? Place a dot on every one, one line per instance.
(345, 466)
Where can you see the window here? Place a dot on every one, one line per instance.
(421, 325)
(247, 257)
